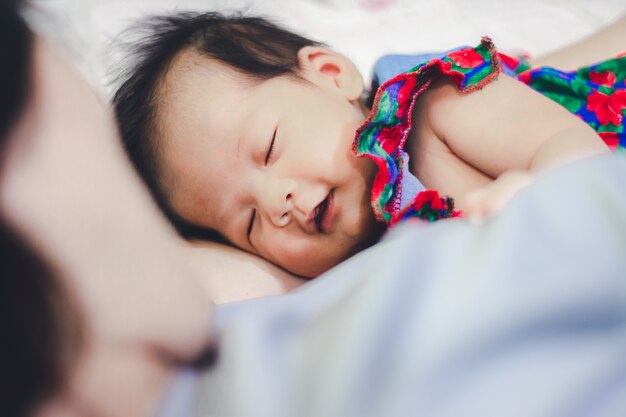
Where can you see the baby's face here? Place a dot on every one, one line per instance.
(268, 165)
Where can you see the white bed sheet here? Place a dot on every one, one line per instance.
(362, 29)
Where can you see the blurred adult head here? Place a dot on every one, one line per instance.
(93, 285)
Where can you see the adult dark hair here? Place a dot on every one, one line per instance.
(36, 325)
(252, 45)
(15, 40)
(39, 328)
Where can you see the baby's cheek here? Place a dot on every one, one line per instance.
(306, 257)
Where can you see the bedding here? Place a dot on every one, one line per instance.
(364, 30)
(524, 315)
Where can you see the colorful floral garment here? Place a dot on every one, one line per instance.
(596, 94)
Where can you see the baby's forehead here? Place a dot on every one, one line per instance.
(187, 83)
(196, 103)
(190, 66)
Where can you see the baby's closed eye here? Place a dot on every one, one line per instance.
(270, 149)
(250, 226)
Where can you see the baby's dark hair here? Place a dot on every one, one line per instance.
(253, 46)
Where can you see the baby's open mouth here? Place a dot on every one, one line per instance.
(321, 214)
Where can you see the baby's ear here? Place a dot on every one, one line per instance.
(331, 69)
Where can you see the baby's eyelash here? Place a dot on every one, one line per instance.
(251, 224)
(271, 148)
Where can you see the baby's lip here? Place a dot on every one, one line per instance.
(311, 220)
(320, 218)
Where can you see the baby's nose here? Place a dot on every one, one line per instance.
(283, 219)
(279, 201)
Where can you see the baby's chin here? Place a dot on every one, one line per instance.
(315, 266)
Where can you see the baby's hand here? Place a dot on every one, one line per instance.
(490, 199)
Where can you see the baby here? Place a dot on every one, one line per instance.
(246, 131)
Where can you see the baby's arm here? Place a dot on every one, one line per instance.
(509, 132)
(607, 42)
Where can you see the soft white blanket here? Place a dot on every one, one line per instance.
(361, 29)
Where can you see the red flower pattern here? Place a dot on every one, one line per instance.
(390, 138)
(428, 197)
(446, 68)
(405, 90)
(508, 61)
(525, 76)
(467, 58)
(611, 139)
(607, 78)
(404, 95)
(608, 108)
